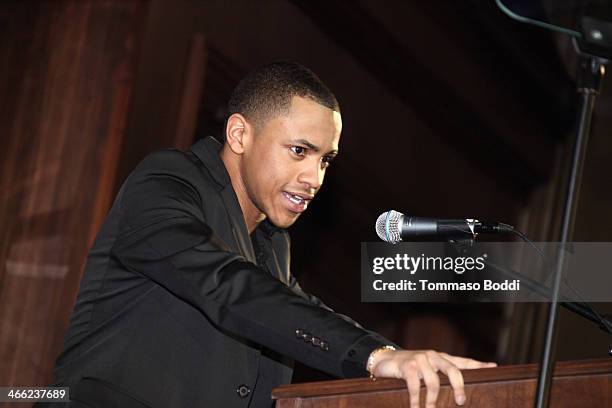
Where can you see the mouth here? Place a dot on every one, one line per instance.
(297, 202)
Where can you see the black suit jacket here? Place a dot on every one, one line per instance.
(177, 308)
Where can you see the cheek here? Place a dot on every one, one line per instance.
(263, 177)
(272, 177)
(274, 170)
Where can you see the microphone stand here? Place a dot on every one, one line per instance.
(590, 73)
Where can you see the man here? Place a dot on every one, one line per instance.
(187, 299)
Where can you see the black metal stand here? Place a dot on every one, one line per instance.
(591, 72)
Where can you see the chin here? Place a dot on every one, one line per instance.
(284, 222)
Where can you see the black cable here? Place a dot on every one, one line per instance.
(602, 321)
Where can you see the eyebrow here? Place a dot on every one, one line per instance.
(314, 147)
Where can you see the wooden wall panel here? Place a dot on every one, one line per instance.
(168, 83)
(66, 72)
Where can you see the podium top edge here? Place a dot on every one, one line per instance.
(497, 374)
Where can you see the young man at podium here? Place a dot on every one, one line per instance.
(187, 299)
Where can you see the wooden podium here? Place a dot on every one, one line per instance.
(584, 383)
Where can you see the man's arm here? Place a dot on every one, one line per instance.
(295, 286)
(413, 365)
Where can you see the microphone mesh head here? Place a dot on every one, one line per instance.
(388, 226)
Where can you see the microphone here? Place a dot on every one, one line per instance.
(393, 226)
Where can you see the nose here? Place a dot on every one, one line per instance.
(311, 174)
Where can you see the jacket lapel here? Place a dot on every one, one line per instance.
(239, 229)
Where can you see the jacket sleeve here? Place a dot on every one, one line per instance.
(164, 236)
(295, 286)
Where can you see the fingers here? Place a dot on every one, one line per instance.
(410, 373)
(455, 378)
(467, 363)
(430, 378)
(413, 366)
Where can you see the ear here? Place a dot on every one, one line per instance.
(238, 133)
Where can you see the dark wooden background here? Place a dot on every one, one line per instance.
(450, 109)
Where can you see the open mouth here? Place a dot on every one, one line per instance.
(297, 203)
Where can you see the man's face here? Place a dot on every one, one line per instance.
(284, 164)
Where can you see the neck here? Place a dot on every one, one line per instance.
(252, 215)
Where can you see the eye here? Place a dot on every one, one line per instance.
(326, 161)
(298, 150)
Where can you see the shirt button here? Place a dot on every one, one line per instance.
(324, 346)
(299, 333)
(243, 391)
(307, 337)
(352, 353)
(316, 341)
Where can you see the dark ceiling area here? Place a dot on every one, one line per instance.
(533, 75)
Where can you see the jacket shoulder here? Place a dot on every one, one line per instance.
(167, 159)
(184, 166)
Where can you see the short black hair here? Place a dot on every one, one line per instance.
(266, 92)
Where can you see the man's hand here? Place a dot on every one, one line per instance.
(413, 366)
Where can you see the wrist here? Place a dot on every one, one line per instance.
(371, 363)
